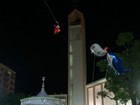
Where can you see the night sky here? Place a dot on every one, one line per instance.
(28, 46)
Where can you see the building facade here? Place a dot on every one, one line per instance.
(7, 79)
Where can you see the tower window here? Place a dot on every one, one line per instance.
(76, 22)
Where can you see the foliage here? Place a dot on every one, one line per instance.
(127, 85)
(11, 99)
(124, 39)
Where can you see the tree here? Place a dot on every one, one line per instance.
(127, 85)
(12, 99)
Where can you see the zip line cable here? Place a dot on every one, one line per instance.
(50, 11)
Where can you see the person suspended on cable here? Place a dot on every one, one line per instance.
(56, 28)
(56, 25)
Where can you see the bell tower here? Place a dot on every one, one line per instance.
(76, 58)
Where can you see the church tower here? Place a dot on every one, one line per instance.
(76, 58)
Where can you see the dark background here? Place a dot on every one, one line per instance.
(28, 46)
